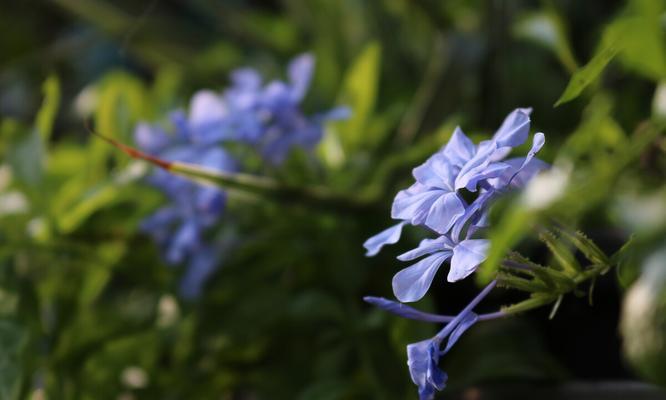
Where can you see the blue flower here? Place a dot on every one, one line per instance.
(179, 228)
(412, 283)
(435, 201)
(423, 357)
(267, 117)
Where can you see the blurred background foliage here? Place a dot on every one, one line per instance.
(88, 308)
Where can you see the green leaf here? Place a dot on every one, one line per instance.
(13, 339)
(76, 201)
(507, 232)
(586, 246)
(645, 50)
(584, 76)
(123, 101)
(359, 93)
(637, 37)
(47, 113)
(561, 252)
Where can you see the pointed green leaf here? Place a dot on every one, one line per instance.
(359, 93)
(564, 257)
(585, 75)
(47, 112)
(507, 232)
(586, 246)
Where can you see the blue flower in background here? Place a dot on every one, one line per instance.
(179, 228)
(266, 117)
(435, 201)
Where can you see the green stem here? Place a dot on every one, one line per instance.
(542, 299)
(317, 196)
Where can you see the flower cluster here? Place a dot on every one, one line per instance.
(435, 201)
(265, 117)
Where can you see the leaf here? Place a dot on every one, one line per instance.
(586, 246)
(645, 50)
(507, 232)
(13, 339)
(76, 201)
(637, 37)
(359, 93)
(28, 153)
(561, 252)
(584, 76)
(27, 158)
(122, 102)
(47, 112)
(319, 196)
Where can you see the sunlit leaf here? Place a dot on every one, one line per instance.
(506, 233)
(584, 76)
(47, 113)
(359, 93)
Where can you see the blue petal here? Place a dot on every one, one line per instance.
(479, 222)
(184, 241)
(413, 204)
(277, 96)
(460, 149)
(519, 174)
(336, 114)
(247, 79)
(436, 378)
(207, 117)
(521, 169)
(515, 128)
(210, 201)
(422, 360)
(216, 158)
(467, 256)
(436, 172)
(467, 321)
(206, 106)
(471, 212)
(479, 168)
(445, 212)
(412, 283)
(199, 269)
(151, 139)
(418, 361)
(300, 72)
(427, 246)
(389, 236)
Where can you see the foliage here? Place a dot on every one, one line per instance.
(88, 308)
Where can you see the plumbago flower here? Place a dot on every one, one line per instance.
(267, 118)
(435, 202)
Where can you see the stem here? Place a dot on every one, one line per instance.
(312, 195)
(317, 196)
(542, 300)
(451, 325)
(412, 313)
